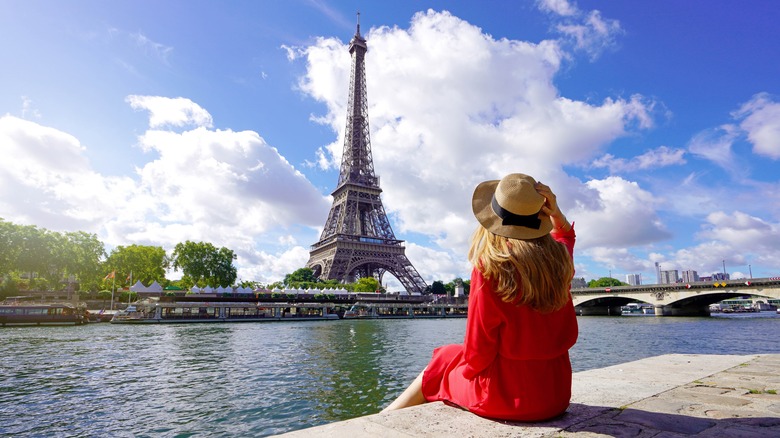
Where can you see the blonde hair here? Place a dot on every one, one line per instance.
(536, 272)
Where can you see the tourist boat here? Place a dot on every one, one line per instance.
(637, 309)
(15, 313)
(184, 310)
(406, 310)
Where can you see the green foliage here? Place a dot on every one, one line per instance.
(606, 282)
(437, 287)
(276, 285)
(302, 275)
(126, 296)
(250, 284)
(8, 287)
(366, 284)
(50, 259)
(205, 264)
(138, 262)
(104, 294)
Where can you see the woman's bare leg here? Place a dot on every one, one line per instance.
(412, 396)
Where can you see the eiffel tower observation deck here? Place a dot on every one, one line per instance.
(357, 240)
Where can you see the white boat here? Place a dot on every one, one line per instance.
(379, 310)
(155, 311)
(637, 309)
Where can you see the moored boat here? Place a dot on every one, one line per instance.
(637, 309)
(16, 313)
(152, 311)
(406, 310)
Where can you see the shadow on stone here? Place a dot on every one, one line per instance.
(632, 422)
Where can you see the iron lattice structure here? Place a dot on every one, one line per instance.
(357, 240)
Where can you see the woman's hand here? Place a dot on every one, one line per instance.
(551, 208)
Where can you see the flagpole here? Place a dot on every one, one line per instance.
(113, 288)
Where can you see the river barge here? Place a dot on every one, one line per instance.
(406, 311)
(155, 311)
(17, 314)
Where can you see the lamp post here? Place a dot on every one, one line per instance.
(751, 272)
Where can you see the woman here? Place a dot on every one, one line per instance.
(514, 362)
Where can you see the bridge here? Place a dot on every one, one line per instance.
(678, 299)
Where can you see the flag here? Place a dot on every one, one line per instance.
(130, 276)
(110, 275)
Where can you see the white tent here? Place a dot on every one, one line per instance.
(139, 287)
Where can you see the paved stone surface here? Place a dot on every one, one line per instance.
(665, 396)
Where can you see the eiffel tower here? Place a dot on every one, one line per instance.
(357, 240)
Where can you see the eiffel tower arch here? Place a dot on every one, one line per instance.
(357, 240)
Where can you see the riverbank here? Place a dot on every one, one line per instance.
(673, 395)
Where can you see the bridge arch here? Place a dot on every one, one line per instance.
(691, 299)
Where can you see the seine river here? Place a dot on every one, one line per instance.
(260, 379)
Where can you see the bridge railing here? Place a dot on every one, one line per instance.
(726, 284)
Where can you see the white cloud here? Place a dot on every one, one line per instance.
(28, 110)
(560, 7)
(589, 32)
(450, 106)
(46, 180)
(217, 185)
(741, 230)
(761, 120)
(174, 112)
(715, 145)
(228, 188)
(652, 159)
(623, 215)
(150, 47)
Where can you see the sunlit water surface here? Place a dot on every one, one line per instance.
(259, 379)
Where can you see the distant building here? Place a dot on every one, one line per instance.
(634, 279)
(577, 283)
(719, 276)
(690, 276)
(657, 273)
(669, 277)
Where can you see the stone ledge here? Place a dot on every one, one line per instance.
(678, 394)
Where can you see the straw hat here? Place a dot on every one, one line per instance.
(511, 207)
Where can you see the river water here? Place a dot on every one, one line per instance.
(260, 379)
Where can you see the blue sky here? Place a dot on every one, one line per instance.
(656, 123)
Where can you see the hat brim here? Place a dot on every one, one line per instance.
(481, 205)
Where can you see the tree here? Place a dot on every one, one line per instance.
(83, 256)
(606, 282)
(145, 263)
(205, 264)
(366, 284)
(9, 246)
(437, 287)
(299, 278)
(250, 284)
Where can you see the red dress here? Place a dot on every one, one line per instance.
(514, 361)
